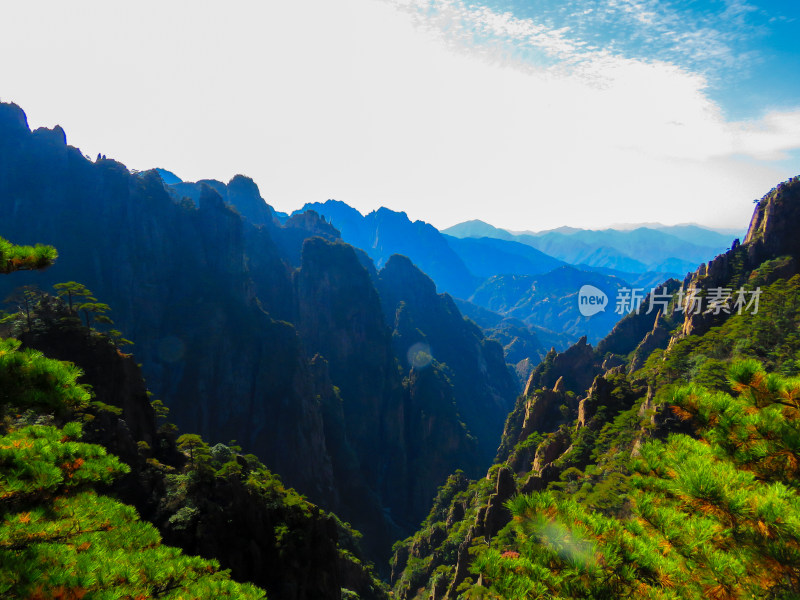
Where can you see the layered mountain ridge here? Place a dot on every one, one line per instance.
(633, 249)
(520, 276)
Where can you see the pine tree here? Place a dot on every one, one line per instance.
(80, 299)
(23, 258)
(60, 539)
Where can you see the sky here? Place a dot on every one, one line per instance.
(527, 115)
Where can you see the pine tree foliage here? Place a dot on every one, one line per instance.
(24, 258)
(80, 299)
(30, 380)
(60, 539)
(714, 517)
(41, 461)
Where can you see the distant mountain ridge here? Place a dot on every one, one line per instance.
(494, 269)
(550, 300)
(384, 232)
(676, 249)
(475, 261)
(487, 256)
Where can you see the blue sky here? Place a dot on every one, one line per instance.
(528, 115)
(748, 51)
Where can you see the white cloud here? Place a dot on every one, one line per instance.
(350, 100)
(769, 138)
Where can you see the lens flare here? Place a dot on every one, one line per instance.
(419, 355)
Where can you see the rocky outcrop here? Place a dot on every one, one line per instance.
(631, 329)
(771, 235)
(463, 562)
(657, 338)
(541, 408)
(243, 194)
(340, 318)
(576, 367)
(488, 521)
(497, 515)
(550, 449)
(543, 413)
(772, 230)
(521, 346)
(437, 443)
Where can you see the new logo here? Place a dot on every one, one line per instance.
(591, 300)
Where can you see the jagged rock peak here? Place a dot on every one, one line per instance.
(776, 219)
(244, 183)
(56, 134)
(210, 198)
(244, 194)
(312, 222)
(12, 117)
(575, 366)
(772, 234)
(399, 268)
(658, 322)
(531, 385)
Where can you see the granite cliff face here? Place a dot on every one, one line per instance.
(270, 334)
(772, 230)
(772, 236)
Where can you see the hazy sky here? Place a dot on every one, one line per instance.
(528, 115)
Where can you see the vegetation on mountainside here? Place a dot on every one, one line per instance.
(674, 475)
(24, 258)
(770, 335)
(674, 518)
(717, 516)
(59, 538)
(62, 536)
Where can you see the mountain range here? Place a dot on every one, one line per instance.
(655, 248)
(330, 370)
(531, 277)
(277, 335)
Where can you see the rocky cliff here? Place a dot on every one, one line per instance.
(429, 327)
